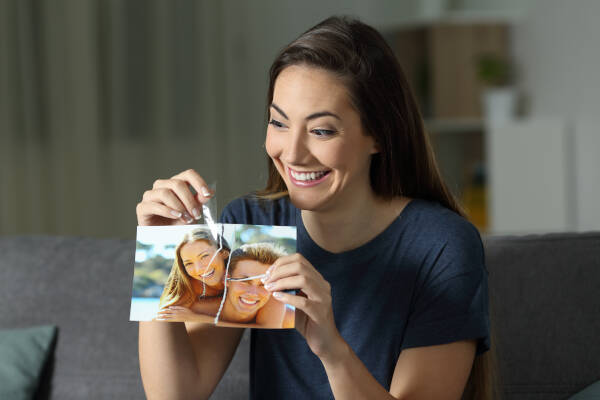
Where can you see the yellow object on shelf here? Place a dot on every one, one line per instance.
(475, 204)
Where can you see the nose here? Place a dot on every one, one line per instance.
(295, 150)
(197, 267)
(255, 282)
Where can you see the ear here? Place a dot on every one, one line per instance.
(225, 253)
(375, 148)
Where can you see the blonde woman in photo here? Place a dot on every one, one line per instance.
(197, 278)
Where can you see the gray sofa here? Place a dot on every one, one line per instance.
(545, 294)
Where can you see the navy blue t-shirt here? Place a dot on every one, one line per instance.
(420, 282)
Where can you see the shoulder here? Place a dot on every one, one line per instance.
(449, 238)
(250, 209)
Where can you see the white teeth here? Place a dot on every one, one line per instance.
(250, 303)
(301, 176)
(207, 274)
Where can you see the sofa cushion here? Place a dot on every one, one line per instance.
(23, 354)
(544, 308)
(591, 392)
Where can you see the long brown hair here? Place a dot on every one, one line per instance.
(405, 166)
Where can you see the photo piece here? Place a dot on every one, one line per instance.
(210, 274)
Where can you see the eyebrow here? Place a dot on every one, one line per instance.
(311, 116)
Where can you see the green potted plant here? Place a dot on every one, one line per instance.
(499, 96)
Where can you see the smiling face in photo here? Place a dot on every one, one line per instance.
(247, 297)
(196, 257)
(316, 140)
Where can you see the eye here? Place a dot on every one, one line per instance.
(275, 123)
(323, 132)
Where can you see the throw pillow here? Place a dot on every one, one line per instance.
(591, 392)
(23, 353)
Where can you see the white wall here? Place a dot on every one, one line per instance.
(558, 59)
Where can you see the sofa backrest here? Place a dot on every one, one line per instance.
(544, 292)
(545, 311)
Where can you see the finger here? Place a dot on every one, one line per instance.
(299, 282)
(197, 182)
(294, 264)
(177, 308)
(300, 302)
(168, 198)
(182, 190)
(152, 208)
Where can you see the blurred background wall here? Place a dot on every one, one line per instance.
(99, 98)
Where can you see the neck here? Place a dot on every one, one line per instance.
(360, 219)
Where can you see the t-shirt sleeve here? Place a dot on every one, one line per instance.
(450, 302)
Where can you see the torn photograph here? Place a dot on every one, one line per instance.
(210, 274)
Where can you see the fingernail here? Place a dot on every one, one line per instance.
(176, 213)
(196, 213)
(187, 218)
(277, 295)
(269, 286)
(205, 192)
(264, 278)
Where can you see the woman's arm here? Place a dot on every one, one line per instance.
(184, 360)
(432, 372)
(181, 360)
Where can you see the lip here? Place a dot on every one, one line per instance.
(208, 275)
(245, 306)
(249, 302)
(304, 183)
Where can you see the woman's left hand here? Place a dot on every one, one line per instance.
(175, 313)
(314, 314)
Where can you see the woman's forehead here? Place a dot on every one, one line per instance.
(196, 247)
(301, 90)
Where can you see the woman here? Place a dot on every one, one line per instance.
(392, 287)
(197, 277)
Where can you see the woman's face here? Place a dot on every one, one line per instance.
(196, 257)
(247, 297)
(316, 140)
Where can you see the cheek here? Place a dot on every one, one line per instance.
(235, 290)
(217, 264)
(273, 144)
(263, 293)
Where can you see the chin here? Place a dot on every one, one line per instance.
(307, 202)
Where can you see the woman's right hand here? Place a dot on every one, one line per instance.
(171, 202)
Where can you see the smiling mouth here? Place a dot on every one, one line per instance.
(307, 178)
(248, 302)
(208, 274)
